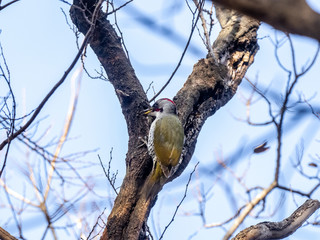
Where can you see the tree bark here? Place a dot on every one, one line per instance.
(293, 16)
(212, 83)
(280, 230)
(4, 235)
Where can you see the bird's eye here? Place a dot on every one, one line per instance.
(158, 109)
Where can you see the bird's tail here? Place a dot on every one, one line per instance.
(154, 183)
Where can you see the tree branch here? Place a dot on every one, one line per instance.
(4, 235)
(55, 87)
(8, 4)
(122, 222)
(280, 230)
(214, 81)
(248, 208)
(212, 84)
(286, 15)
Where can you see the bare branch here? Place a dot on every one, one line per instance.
(5, 73)
(111, 179)
(75, 87)
(178, 206)
(56, 86)
(245, 212)
(211, 85)
(286, 15)
(95, 225)
(214, 81)
(280, 230)
(16, 195)
(4, 235)
(195, 21)
(204, 25)
(8, 4)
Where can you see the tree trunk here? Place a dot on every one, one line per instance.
(212, 83)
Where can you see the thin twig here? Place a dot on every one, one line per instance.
(249, 207)
(6, 75)
(118, 8)
(8, 4)
(283, 110)
(96, 224)
(56, 86)
(312, 62)
(70, 115)
(14, 213)
(219, 224)
(178, 206)
(204, 25)
(180, 60)
(107, 173)
(16, 195)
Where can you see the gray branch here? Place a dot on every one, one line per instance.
(286, 15)
(280, 230)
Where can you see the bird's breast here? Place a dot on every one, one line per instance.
(166, 140)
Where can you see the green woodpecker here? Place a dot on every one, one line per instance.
(166, 137)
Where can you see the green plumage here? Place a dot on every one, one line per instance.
(165, 143)
(168, 142)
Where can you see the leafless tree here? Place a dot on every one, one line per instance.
(212, 84)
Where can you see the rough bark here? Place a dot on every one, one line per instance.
(280, 230)
(212, 83)
(4, 235)
(107, 46)
(293, 16)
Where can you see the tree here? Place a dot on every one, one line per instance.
(212, 83)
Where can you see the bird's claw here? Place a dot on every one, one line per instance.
(144, 141)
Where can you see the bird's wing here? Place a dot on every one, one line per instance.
(168, 142)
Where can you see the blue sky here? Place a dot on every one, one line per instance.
(39, 46)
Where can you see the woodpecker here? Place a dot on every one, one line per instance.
(166, 138)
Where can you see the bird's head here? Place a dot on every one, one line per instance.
(162, 106)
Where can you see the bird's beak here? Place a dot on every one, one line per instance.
(148, 111)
